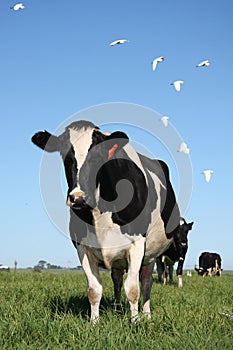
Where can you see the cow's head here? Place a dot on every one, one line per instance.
(201, 271)
(181, 238)
(84, 150)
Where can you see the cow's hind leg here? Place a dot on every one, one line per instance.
(131, 285)
(91, 270)
(160, 269)
(117, 277)
(146, 284)
(170, 271)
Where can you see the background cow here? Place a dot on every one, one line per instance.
(175, 253)
(123, 212)
(208, 263)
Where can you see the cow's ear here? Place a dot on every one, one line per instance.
(118, 137)
(46, 141)
(190, 226)
(116, 140)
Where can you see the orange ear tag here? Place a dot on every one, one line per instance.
(112, 151)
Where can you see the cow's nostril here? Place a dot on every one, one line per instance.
(72, 198)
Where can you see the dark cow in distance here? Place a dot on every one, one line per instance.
(208, 263)
(175, 253)
(123, 211)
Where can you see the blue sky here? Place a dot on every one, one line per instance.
(56, 61)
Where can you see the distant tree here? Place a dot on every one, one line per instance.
(41, 264)
(55, 267)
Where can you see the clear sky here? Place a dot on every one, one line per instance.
(56, 61)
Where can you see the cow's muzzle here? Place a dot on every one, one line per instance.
(75, 200)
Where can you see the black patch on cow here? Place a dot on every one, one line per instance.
(81, 221)
(110, 174)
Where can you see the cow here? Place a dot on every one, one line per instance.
(175, 253)
(123, 210)
(208, 263)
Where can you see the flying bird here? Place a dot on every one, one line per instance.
(177, 84)
(120, 41)
(164, 120)
(205, 63)
(184, 148)
(207, 174)
(155, 61)
(18, 7)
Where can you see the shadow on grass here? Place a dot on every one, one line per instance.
(77, 305)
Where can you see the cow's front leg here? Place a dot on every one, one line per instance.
(146, 284)
(117, 277)
(131, 285)
(179, 271)
(90, 266)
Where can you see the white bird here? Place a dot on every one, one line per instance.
(227, 315)
(156, 60)
(120, 41)
(205, 63)
(177, 84)
(164, 120)
(207, 174)
(18, 7)
(184, 148)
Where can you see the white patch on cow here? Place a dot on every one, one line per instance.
(180, 283)
(181, 222)
(90, 266)
(114, 245)
(131, 285)
(133, 155)
(81, 140)
(76, 192)
(156, 240)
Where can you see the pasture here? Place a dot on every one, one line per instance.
(50, 310)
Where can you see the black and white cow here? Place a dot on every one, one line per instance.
(208, 263)
(175, 253)
(123, 211)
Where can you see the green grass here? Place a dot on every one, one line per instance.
(50, 310)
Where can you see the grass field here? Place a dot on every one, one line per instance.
(50, 310)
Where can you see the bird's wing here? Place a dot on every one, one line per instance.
(154, 64)
(164, 121)
(207, 176)
(183, 146)
(177, 85)
(115, 42)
